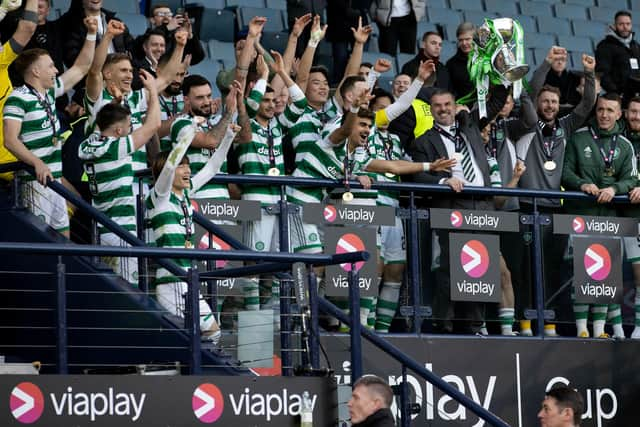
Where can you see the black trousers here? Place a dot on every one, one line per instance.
(401, 30)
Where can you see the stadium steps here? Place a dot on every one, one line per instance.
(110, 324)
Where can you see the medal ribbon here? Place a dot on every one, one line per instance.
(270, 144)
(492, 147)
(548, 143)
(347, 164)
(42, 100)
(456, 139)
(606, 157)
(187, 220)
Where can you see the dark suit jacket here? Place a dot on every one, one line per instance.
(429, 147)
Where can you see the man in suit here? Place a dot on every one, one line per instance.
(456, 136)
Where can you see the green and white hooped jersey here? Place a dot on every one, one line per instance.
(170, 228)
(37, 130)
(108, 168)
(383, 145)
(306, 131)
(198, 157)
(169, 106)
(137, 103)
(265, 149)
(356, 162)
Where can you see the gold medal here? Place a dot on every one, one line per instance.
(54, 140)
(390, 175)
(274, 172)
(188, 244)
(550, 165)
(609, 172)
(347, 196)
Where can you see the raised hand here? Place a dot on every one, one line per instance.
(149, 82)
(256, 25)
(519, 170)
(317, 31)
(426, 70)
(382, 65)
(556, 53)
(278, 65)
(92, 24)
(262, 68)
(115, 28)
(361, 34)
(589, 63)
(300, 23)
(182, 36)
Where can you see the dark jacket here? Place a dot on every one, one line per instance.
(342, 15)
(297, 8)
(442, 79)
(612, 60)
(193, 46)
(404, 125)
(381, 418)
(76, 33)
(567, 82)
(457, 68)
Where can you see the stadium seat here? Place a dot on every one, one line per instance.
(504, 7)
(449, 49)
(529, 23)
(136, 23)
(214, 4)
(385, 82)
(274, 17)
(444, 16)
(442, 4)
(535, 8)
(635, 4)
(576, 60)
(245, 3)
(602, 14)
(219, 25)
(466, 5)
(222, 51)
(476, 18)
(53, 14)
(540, 54)
(450, 32)
(570, 11)
(61, 5)
(121, 6)
(594, 29)
(403, 58)
(208, 68)
(585, 3)
(542, 41)
(557, 26)
(529, 58)
(576, 44)
(275, 40)
(424, 27)
(173, 4)
(277, 4)
(614, 4)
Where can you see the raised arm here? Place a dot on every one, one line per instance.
(277, 83)
(293, 111)
(577, 117)
(517, 127)
(246, 56)
(214, 163)
(94, 77)
(173, 66)
(27, 25)
(164, 181)
(151, 124)
(317, 34)
(360, 35)
(81, 66)
(212, 138)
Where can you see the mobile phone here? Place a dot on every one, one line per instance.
(180, 11)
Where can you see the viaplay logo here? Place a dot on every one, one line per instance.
(456, 219)
(350, 243)
(207, 403)
(474, 258)
(217, 244)
(26, 403)
(330, 213)
(597, 262)
(577, 224)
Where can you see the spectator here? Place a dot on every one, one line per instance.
(400, 84)
(76, 32)
(8, 53)
(298, 8)
(153, 47)
(171, 100)
(562, 407)
(431, 48)
(457, 65)
(618, 58)
(604, 178)
(342, 19)
(397, 21)
(364, 69)
(32, 106)
(456, 136)
(370, 402)
(566, 81)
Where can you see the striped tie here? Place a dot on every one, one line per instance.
(467, 165)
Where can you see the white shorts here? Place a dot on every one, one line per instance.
(305, 237)
(172, 297)
(632, 248)
(46, 204)
(263, 234)
(392, 243)
(127, 267)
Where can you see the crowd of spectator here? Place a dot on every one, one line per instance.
(135, 104)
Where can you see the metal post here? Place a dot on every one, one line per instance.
(15, 186)
(285, 289)
(61, 319)
(537, 269)
(405, 413)
(142, 262)
(354, 317)
(414, 263)
(192, 319)
(314, 328)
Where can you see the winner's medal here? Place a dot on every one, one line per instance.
(550, 165)
(390, 175)
(274, 172)
(347, 196)
(188, 244)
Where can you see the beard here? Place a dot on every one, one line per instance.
(200, 112)
(173, 90)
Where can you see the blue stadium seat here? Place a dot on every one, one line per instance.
(274, 17)
(594, 29)
(602, 14)
(207, 68)
(61, 5)
(245, 3)
(543, 1)
(449, 49)
(576, 60)
(444, 16)
(221, 51)
(424, 27)
(535, 8)
(635, 5)
(614, 4)
(371, 57)
(275, 40)
(570, 11)
(504, 7)
(403, 58)
(529, 58)
(576, 44)
(53, 14)
(442, 4)
(450, 32)
(557, 26)
(220, 25)
(173, 4)
(277, 4)
(585, 3)
(542, 41)
(215, 4)
(529, 23)
(466, 5)
(540, 54)
(121, 6)
(136, 23)
(476, 18)
(385, 82)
